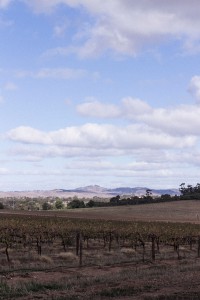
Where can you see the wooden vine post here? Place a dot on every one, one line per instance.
(77, 243)
(6, 251)
(198, 249)
(80, 249)
(110, 242)
(153, 252)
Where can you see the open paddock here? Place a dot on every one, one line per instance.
(179, 211)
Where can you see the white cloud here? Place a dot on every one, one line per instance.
(126, 26)
(60, 29)
(180, 120)
(10, 86)
(5, 23)
(101, 165)
(29, 135)
(104, 136)
(155, 128)
(61, 73)
(54, 73)
(139, 163)
(194, 87)
(4, 3)
(39, 152)
(3, 171)
(132, 106)
(1, 99)
(176, 121)
(94, 108)
(60, 51)
(128, 108)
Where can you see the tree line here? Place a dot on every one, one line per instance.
(187, 192)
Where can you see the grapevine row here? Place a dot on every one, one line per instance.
(35, 231)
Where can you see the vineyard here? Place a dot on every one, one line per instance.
(53, 255)
(44, 234)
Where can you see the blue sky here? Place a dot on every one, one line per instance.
(99, 92)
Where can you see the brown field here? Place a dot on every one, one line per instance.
(119, 274)
(180, 211)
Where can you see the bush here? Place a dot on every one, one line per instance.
(59, 204)
(46, 206)
(76, 204)
(91, 203)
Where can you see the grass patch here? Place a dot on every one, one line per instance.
(45, 259)
(68, 256)
(119, 292)
(41, 287)
(9, 292)
(178, 296)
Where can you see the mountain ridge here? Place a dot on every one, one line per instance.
(89, 191)
(128, 190)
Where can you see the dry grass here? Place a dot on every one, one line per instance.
(67, 256)
(179, 211)
(45, 259)
(128, 251)
(165, 280)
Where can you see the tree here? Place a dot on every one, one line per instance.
(59, 204)
(46, 206)
(115, 200)
(32, 205)
(90, 203)
(182, 188)
(190, 192)
(148, 193)
(76, 204)
(165, 197)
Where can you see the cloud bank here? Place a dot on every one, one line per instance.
(179, 120)
(126, 27)
(95, 136)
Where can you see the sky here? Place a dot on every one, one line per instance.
(99, 92)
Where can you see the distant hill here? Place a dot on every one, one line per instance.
(138, 191)
(92, 189)
(89, 192)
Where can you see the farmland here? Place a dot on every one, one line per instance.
(180, 211)
(138, 252)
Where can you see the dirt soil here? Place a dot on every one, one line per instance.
(164, 280)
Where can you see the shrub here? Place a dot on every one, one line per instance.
(59, 204)
(76, 204)
(46, 206)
